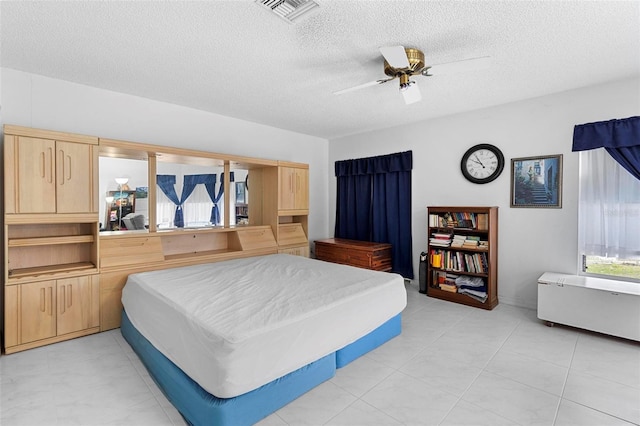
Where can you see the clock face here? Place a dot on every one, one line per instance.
(482, 163)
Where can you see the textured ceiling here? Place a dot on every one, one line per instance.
(237, 59)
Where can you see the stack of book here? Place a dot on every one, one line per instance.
(446, 281)
(440, 240)
(458, 240)
(483, 245)
(471, 241)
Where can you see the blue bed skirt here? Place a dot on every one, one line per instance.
(369, 342)
(198, 407)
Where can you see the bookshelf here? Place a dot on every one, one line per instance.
(462, 265)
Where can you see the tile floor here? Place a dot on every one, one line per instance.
(452, 365)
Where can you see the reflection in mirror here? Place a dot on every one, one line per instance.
(197, 190)
(123, 190)
(240, 198)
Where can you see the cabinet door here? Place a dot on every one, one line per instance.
(301, 198)
(111, 285)
(35, 176)
(293, 189)
(37, 311)
(11, 309)
(286, 193)
(74, 178)
(78, 304)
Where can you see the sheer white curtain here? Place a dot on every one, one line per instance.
(165, 210)
(609, 207)
(197, 208)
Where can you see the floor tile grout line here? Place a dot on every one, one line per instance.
(482, 370)
(566, 378)
(153, 394)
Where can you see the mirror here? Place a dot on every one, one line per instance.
(123, 188)
(240, 198)
(197, 187)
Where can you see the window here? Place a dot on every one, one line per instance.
(609, 218)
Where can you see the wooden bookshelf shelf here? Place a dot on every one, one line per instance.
(46, 241)
(50, 269)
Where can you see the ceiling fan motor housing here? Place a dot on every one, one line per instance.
(416, 64)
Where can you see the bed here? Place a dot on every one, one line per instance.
(230, 342)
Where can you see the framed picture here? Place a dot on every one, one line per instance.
(537, 181)
(240, 193)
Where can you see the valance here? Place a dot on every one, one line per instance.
(399, 162)
(621, 139)
(607, 134)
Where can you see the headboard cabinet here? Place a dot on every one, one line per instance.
(63, 277)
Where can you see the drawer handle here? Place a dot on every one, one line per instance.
(43, 303)
(63, 302)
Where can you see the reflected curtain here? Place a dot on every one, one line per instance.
(167, 186)
(621, 139)
(215, 211)
(374, 204)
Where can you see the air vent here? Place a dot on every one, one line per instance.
(290, 10)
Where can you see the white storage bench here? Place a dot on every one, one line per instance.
(597, 304)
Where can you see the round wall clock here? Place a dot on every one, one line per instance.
(482, 163)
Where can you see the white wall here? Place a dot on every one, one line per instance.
(531, 241)
(36, 101)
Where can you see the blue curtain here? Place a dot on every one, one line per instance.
(210, 185)
(167, 186)
(374, 204)
(353, 207)
(215, 211)
(621, 139)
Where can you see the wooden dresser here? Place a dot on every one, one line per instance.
(363, 254)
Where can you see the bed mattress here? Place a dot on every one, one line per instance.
(236, 325)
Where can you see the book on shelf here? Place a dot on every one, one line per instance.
(449, 287)
(441, 235)
(436, 259)
(482, 220)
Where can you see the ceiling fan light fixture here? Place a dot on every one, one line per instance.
(407, 85)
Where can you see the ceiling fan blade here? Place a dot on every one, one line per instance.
(395, 56)
(362, 86)
(411, 94)
(474, 64)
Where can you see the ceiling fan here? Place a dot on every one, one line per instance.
(404, 62)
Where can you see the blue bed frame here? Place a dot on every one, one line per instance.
(198, 407)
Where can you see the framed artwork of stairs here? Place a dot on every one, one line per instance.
(537, 181)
